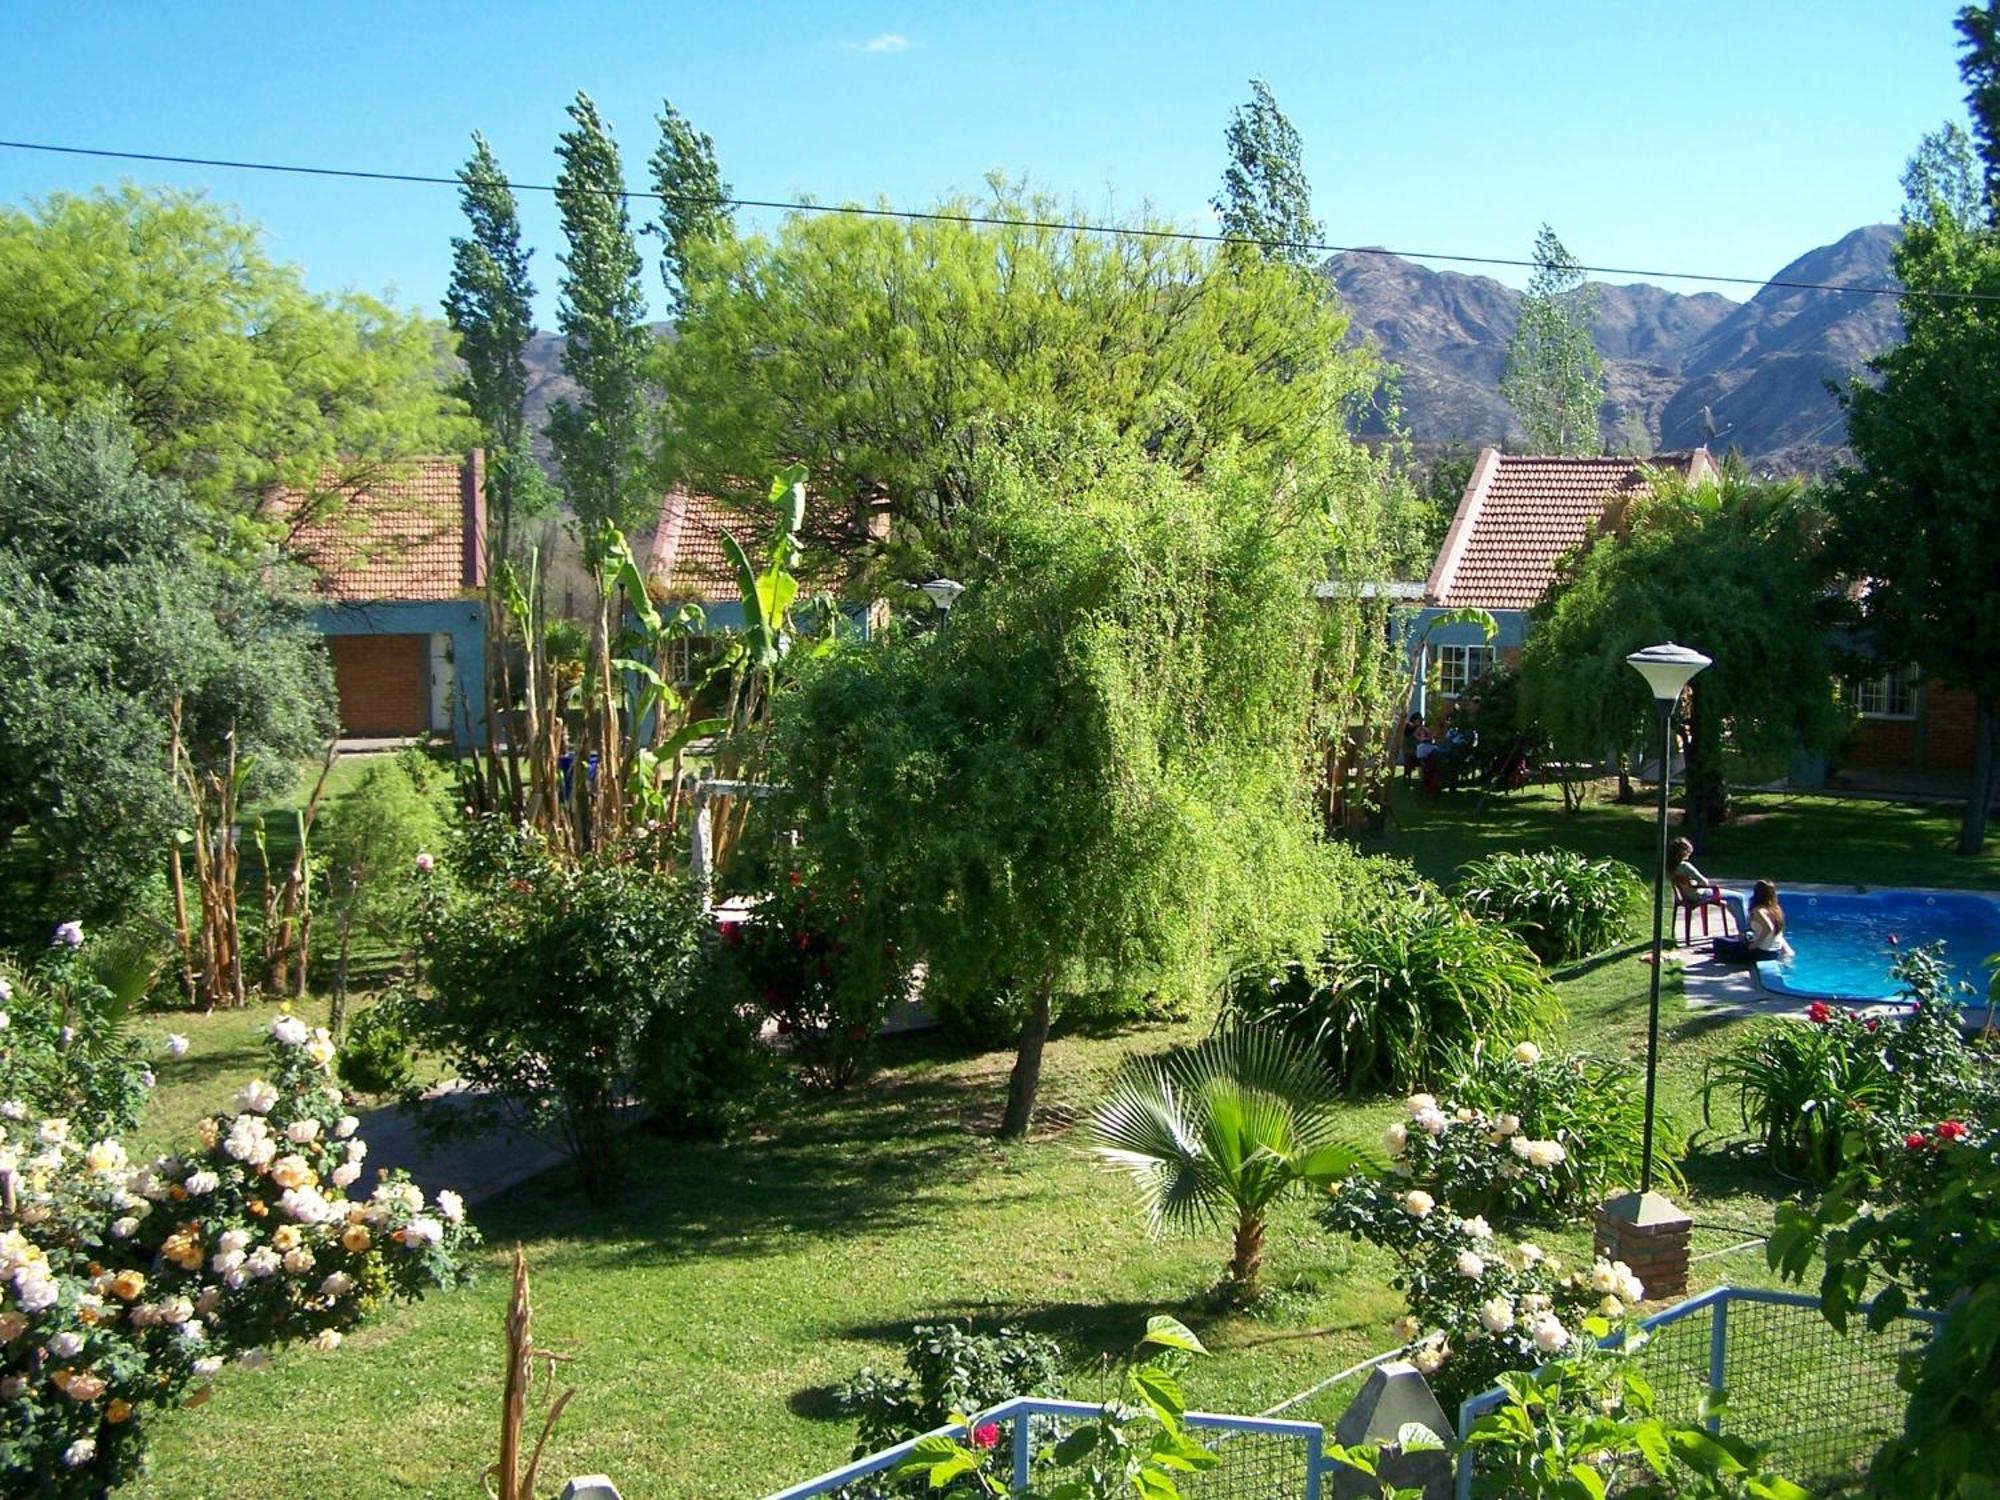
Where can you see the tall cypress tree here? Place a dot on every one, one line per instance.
(691, 190)
(602, 318)
(1265, 196)
(490, 304)
(1554, 380)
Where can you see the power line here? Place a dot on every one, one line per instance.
(1000, 221)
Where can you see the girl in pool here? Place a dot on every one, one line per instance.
(1766, 935)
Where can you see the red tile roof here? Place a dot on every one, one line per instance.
(687, 560)
(1521, 513)
(416, 533)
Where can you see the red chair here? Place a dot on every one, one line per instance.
(1690, 898)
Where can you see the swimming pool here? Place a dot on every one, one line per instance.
(1844, 942)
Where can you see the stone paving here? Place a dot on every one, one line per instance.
(475, 1169)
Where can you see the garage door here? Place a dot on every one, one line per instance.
(384, 683)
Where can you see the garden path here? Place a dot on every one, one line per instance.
(475, 1168)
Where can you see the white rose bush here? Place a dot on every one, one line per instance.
(125, 1286)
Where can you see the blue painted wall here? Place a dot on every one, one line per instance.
(1510, 631)
(464, 620)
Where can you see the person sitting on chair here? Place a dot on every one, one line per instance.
(1693, 891)
(1766, 937)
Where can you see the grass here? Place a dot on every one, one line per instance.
(714, 1308)
(1782, 836)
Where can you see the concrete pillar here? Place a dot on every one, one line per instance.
(1395, 1395)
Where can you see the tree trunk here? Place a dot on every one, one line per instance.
(1027, 1075)
(1246, 1264)
(1979, 795)
(1706, 796)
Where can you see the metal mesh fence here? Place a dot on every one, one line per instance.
(1255, 1466)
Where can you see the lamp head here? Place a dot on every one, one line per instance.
(943, 592)
(1667, 669)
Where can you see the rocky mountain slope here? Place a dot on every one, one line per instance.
(1758, 367)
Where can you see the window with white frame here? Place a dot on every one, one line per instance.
(1889, 696)
(1461, 666)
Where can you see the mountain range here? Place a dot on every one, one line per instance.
(1673, 362)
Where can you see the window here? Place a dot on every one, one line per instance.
(1890, 696)
(1461, 666)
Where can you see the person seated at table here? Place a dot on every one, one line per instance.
(1693, 891)
(1766, 935)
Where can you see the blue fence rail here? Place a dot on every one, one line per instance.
(1263, 1458)
(1822, 1401)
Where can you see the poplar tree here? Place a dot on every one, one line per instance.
(1265, 197)
(692, 194)
(490, 305)
(1553, 379)
(602, 318)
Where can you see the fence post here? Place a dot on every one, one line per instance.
(1718, 1349)
(1023, 1450)
(1315, 1458)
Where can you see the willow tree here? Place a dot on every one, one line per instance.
(1736, 571)
(1097, 770)
(888, 356)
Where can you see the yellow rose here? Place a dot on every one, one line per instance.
(12, 1326)
(117, 1409)
(84, 1387)
(320, 1050)
(210, 1133)
(286, 1238)
(356, 1237)
(290, 1171)
(128, 1284)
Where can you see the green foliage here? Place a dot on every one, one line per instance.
(490, 305)
(948, 1370)
(1265, 197)
(1913, 515)
(1735, 571)
(1522, 1134)
(1097, 769)
(1220, 1134)
(1553, 379)
(562, 989)
(1564, 906)
(376, 1056)
(1921, 1227)
(1136, 1446)
(369, 843)
(601, 314)
(949, 337)
(1404, 983)
(112, 606)
(1843, 1088)
(66, 1050)
(236, 377)
(691, 190)
(1592, 1424)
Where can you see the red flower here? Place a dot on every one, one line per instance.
(732, 934)
(1953, 1130)
(1915, 1140)
(986, 1435)
(796, 877)
(1874, 1026)
(801, 940)
(1819, 1012)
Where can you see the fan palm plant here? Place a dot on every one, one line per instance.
(1221, 1132)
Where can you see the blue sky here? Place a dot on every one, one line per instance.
(1719, 137)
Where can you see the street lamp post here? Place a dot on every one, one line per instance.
(1643, 1229)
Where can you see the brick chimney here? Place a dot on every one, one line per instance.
(472, 502)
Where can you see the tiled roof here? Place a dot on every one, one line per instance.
(687, 560)
(416, 533)
(1521, 513)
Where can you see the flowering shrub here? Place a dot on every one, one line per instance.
(63, 1042)
(1522, 1134)
(804, 961)
(1478, 1305)
(124, 1287)
(1563, 905)
(1843, 1086)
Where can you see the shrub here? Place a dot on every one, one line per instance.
(806, 962)
(1562, 905)
(948, 1371)
(1525, 1135)
(562, 990)
(376, 1057)
(65, 1051)
(1478, 1306)
(1405, 983)
(1817, 1094)
(369, 848)
(123, 1288)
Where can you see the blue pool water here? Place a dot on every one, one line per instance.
(1842, 948)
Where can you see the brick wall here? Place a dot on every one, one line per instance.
(383, 682)
(1939, 739)
(1948, 729)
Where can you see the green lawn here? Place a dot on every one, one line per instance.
(712, 1310)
